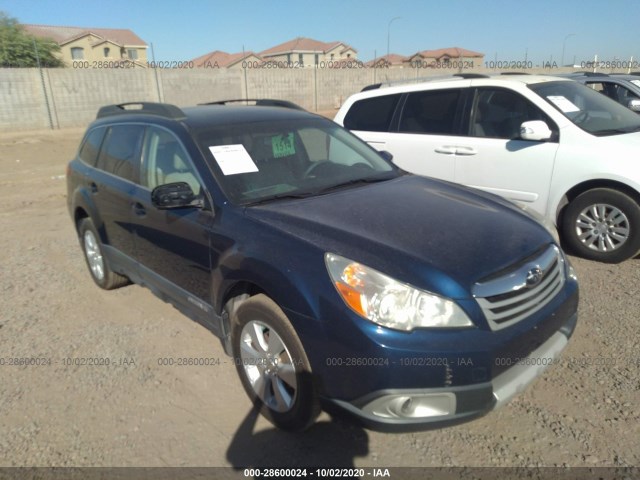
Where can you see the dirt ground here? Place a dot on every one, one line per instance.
(135, 412)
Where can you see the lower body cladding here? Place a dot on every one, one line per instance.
(482, 372)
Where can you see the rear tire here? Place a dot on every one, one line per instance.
(603, 224)
(98, 265)
(272, 364)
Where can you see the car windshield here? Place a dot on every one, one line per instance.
(264, 161)
(588, 109)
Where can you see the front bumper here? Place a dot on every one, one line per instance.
(419, 409)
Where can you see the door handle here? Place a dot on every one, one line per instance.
(93, 187)
(466, 151)
(446, 149)
(139, 209)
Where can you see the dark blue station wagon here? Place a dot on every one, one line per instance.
(334, 279)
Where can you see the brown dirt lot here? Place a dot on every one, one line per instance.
(134, 412)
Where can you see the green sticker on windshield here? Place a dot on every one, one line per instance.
(282, 145)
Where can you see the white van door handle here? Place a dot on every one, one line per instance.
(466, 151)
(446, 149)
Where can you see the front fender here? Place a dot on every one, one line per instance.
(294, 283)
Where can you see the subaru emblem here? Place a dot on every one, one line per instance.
(534, 276)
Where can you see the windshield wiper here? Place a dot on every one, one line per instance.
(320, 191)
(356, 181)
(281, 196)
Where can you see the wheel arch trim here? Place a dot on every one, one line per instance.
(82, 202)
(591, 184)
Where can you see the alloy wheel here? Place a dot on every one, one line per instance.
(602, 227)
(94, 257)
(269, 366)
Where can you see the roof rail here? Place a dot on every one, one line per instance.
(593, 74)
(514, 73)
(151, 108)
(428, 78)
(623, 73)
(371, 87)
(260, 102)
(471, 75)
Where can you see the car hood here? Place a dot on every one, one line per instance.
(425, 232)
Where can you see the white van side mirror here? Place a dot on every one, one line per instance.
(535, 130)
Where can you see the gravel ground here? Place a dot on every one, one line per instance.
(583, 412)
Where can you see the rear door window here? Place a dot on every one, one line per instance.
(431, 112)
(120, 154)
(372, 114)
(91, 146)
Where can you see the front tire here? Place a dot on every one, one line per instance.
(98, 265)
(272, 364)
(604, 225)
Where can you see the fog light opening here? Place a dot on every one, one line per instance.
(415, 406)
(406, 406)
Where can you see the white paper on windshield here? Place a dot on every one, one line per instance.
(233, 159)
(564, 104)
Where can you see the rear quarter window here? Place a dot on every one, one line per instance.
(91, 146)
(372, 114)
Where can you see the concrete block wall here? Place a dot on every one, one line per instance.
(78, 94)
(22, 100)
(318, 89)
(295, 85)
(190, 87)
(334, 85)
(73, 96)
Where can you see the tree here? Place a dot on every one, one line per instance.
(18, 48)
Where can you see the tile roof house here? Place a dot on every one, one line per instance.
(219, 59)
(454, 57)
(443, 56)
(93, 45)
(391, 60)
(306, 52)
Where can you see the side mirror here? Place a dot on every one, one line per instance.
(634, 105)
(386, 155)
(536, 130)
(175, 195)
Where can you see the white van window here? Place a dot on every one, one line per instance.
(433, 112)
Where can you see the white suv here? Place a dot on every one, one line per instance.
(554, 145)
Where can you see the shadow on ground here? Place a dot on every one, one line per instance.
(331, 444)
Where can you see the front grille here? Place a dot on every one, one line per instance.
(521, 291)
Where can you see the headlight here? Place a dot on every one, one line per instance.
(542, 220)
(389, 303)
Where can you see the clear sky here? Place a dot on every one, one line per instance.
(505, 30)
